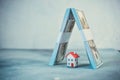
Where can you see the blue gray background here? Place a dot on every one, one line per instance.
(35, 24)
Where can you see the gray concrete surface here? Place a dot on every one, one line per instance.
(33, 65)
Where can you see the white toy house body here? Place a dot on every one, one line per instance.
(72, 59)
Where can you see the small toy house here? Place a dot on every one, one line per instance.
(72, 59)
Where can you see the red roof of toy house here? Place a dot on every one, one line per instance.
(73, 54)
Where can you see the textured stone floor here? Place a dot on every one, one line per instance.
(33, 65)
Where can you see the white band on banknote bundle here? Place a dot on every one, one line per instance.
(63, 37)
(88, 34)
